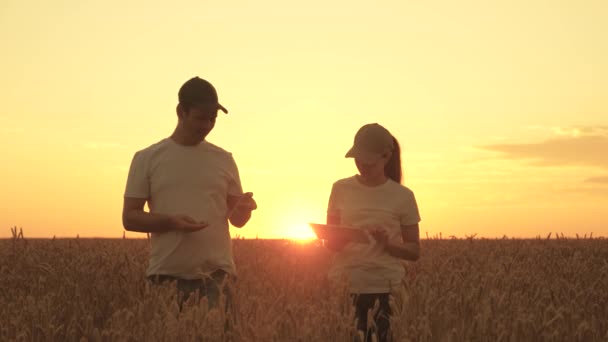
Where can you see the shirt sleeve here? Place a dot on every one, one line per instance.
(234, 182)
(138, 182)
(410, 215)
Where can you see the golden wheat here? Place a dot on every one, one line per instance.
(460, 290)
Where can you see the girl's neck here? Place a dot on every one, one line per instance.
(372, 181)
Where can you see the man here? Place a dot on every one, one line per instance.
(193, 189)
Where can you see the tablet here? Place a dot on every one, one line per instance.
(331, 231)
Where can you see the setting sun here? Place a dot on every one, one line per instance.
(300, 231)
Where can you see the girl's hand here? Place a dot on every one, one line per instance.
(335, 245)
(379, 234)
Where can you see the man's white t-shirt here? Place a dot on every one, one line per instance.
(193, 181)
(367, 267)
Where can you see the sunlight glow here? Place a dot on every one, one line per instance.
(300, 231)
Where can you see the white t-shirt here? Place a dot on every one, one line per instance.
(193, 181)
(367, 267)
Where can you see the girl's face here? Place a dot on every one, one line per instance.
(372, 170)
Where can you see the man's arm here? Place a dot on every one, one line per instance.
(135, 219)
(239, 209)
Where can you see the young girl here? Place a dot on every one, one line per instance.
(374, 200)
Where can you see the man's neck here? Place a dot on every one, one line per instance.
(183, 139)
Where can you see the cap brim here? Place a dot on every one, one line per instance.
(222, 108)
(364, 156)
(350, 153)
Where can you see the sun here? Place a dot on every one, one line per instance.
(293, 224)
(300, 232)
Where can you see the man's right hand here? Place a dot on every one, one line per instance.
(186, 224)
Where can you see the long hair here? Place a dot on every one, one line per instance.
(392, 169)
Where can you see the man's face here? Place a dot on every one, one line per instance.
(199, 120)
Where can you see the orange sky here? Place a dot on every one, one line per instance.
(500, 107)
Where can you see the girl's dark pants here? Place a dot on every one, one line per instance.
(366, 301)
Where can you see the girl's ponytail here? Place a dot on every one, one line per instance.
(392, 169)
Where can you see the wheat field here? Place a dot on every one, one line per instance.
(460, 290)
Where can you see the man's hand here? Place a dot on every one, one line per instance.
(135, 219)
(186, 224)
(240, 207)
(245, 203)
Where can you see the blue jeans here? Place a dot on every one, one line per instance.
(210, 287)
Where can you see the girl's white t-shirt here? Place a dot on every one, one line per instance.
(367, 267)
(193, 181)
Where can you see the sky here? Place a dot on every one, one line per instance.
(500, 107)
